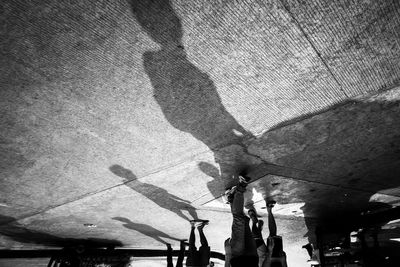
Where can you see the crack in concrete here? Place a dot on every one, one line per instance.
(266, 164)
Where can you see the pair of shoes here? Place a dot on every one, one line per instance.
(202, 223)
(243, 181)
(271, 203)
(229, 195)
(199, 223)
(241, 187)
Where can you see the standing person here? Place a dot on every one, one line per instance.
(275, 255)
(180, 256)
(200, 257)
(240, 249)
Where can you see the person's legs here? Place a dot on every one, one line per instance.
(242, 241)
(203, 239)
(228, 252)
(192, 246)
(254, 220)
(237, 203)
(169, 256)
(260, 225)
(273, 237)
(256, 228)
(258, 238)
(203, 255)
(192, 237)
(271, 219)
(181, 255)
(250, 242)
(238, 224)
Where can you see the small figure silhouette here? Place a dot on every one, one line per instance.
(200, 257)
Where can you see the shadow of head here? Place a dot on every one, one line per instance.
(209, 169)
(159, 20)
(122, 172)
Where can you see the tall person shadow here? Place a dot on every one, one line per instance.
(158, 195)
(145, 230)
(187, 96)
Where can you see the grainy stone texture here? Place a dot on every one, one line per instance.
(134, 114)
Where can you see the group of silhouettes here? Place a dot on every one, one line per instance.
(246, 246)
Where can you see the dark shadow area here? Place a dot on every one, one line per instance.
(21, 234)
(344, 164)
(187, 96)
(374, 245)
(215, 186)
(145, 230)
(158, 195)
(352, 148)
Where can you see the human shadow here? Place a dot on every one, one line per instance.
(215, 186)
(190, 102)
(158, 195)
(145, 230)
(187, 96)
(20, 233)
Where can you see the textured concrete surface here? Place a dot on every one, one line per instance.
(135, 116)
